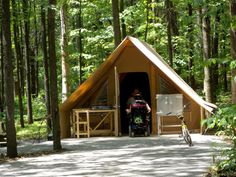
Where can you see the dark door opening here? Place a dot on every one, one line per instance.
(128, 82)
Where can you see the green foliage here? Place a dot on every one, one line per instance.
(39, 107)
(233, 64)
(225, 122)
(35, 131)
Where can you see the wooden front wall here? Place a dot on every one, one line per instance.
(131, 60)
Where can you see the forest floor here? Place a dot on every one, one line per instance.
(165, 155)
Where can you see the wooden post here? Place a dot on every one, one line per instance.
(77, 124)
(153, 91)
(88, 122)
(202, 128)
(116, 102)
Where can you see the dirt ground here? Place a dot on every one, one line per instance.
(158, 156)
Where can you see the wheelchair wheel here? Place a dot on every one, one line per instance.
(131, 133)
(147, 131)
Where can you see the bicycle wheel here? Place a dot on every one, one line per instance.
(187, 137)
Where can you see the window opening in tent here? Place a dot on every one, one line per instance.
(101, 98)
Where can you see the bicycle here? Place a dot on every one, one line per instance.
(184, 130)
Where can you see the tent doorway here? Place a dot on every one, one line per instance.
(128, 82)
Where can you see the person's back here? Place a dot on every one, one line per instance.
(136, 100)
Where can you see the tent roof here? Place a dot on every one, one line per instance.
(151, 55)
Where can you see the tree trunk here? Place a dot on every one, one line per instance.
(116, 22)
(79, 43)
(147, 20)
(233, 49)
(169, 34)
(173, 19)
(27, 62)
(53, 76)
(1, 76)
(64, 52)
(191, 47)
(18, 62)
(206, 55)
(8, 80)
(45, 65)
(34, 55)
(225, 78)
(123, 26)
(200, 23)
(156, 15)
(22, 71)
(215, 44)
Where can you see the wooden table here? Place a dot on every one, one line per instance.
(87, 122)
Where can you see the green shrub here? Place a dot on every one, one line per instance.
(35, 131)
(225, 122)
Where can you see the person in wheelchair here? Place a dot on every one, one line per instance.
(138, 112)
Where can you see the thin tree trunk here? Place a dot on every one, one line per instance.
(173, 19)
(147, 20)
(18, 62)
(27, 62)
(36, 51)
(215, 45)
(233, 49)
(1, 75)
(169, 34)
(132, 26)
(46, 73)
(206, 55)
(191, 47)
(154, 21)
(33, 72)
(34, 55)
(123, 26)
(225, 78)
(53, 76)
(79, 43)
(201, 29)
(9, 81)
(116, 22)
(64, 52)
(22, 71)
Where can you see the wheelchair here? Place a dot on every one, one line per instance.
(139, 119)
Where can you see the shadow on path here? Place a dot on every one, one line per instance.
(118, 156)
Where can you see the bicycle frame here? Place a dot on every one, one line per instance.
(185, 131)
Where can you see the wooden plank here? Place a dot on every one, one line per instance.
(88, 128)
(169, 126)
(104, 118)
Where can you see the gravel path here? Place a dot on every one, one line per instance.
(157, 156)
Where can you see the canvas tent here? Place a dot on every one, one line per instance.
(132, 64)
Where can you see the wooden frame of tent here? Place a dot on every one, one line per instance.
(105, 88)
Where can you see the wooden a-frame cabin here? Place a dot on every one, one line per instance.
(97, 107)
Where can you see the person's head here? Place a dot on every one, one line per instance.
(136, 92)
